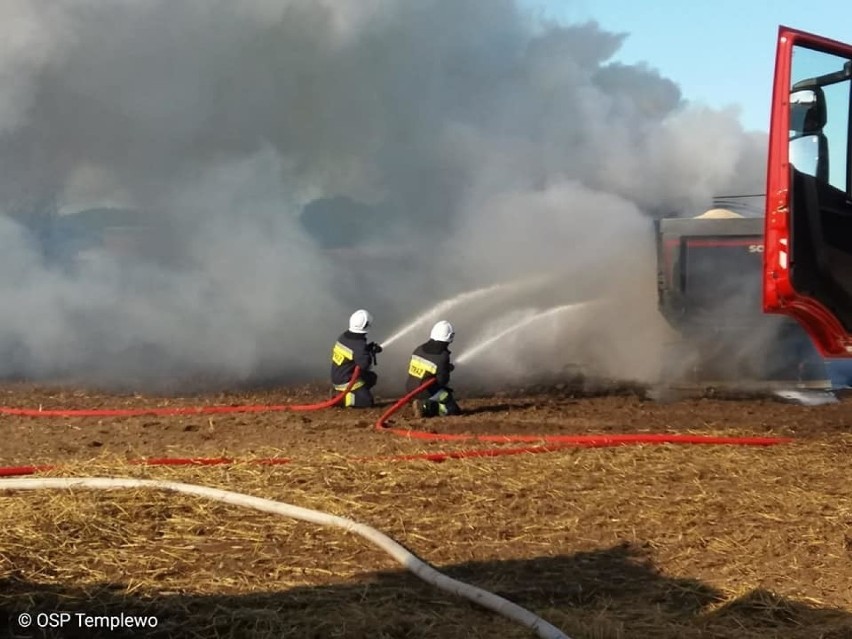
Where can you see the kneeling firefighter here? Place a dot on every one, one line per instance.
(432, 359)
(350, 350)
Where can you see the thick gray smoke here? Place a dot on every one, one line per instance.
(282, 162)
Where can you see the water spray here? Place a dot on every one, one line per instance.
(444, 306)
(482, 345)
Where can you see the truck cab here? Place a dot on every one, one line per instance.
(807, 266)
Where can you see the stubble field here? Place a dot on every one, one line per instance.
(671, 541)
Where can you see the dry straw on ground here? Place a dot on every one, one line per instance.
(632, 542)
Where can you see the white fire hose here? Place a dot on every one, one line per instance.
(420, 568)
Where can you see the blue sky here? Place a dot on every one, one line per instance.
(721, 53)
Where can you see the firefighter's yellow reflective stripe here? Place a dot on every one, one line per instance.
(443, 410)
(418, 367)
(343, 387)
(440, 396)
(350, 399)
(341, 353)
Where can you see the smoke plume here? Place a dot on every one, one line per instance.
(264, 167)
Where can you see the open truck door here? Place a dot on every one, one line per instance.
(807, 268)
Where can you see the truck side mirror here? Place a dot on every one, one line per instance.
(807, 112)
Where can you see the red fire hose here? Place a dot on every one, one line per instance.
(18, 471)
(567, 440)
(548, 443)
(181, 410)
(402, 401)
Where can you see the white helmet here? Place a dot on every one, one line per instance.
(360, 321)
(443, 332)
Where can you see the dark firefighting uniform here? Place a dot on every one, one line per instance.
(351, 350)
(432, 359)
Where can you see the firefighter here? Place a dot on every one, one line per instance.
(432, 359)
(350, 350)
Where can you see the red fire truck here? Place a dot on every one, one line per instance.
(807, 267)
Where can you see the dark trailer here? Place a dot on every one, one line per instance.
(709, 290)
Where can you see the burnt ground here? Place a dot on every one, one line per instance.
(640, 541)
